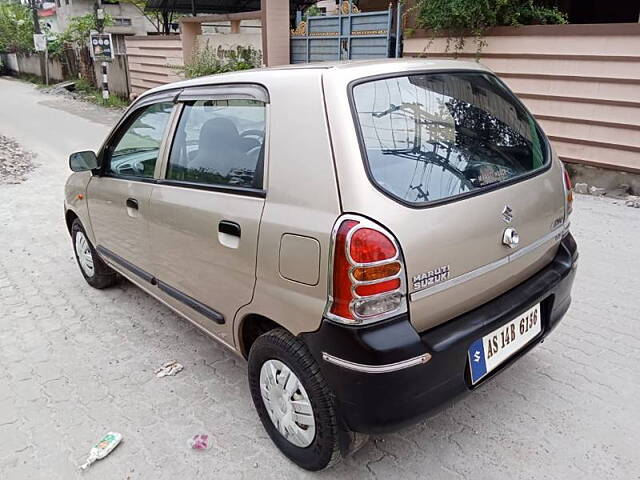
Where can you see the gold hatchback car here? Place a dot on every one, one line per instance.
(375, 238)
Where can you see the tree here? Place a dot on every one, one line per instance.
(16, 28)
(161, 19)
(79, 29)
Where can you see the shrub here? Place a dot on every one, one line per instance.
(16, 28)
(312, 11)
(94, 95)
(55, 48)
(77, 32)
(459, 18)
(208, 61)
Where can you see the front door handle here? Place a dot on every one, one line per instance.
(229, 227)
(132, 203)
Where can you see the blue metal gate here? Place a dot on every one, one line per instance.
(350, 35)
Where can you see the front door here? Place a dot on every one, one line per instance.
(205, 210)
(118, 198)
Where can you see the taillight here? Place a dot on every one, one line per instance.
(568, 188)
(370, 246)
(341, 287)
(367, 273)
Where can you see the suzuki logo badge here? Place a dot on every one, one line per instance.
(511, 238)
(507, 214)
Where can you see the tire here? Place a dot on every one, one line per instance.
(100, 275)
(278, 347)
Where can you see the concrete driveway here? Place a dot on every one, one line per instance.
(77, 362)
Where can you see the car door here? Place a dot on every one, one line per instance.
(118, 198)
(205, 209)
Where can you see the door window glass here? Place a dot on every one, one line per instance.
(219, 142)
(136, 152)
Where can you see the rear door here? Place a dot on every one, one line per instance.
(205, 210)
(457, 169)
(118, 198)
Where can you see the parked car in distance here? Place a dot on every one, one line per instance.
(375, 238)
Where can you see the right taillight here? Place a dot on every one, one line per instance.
(367, 276)
(568, 190)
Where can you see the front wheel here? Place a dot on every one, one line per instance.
(97, 273)
(293, 400)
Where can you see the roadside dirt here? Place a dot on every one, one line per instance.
(15, 162)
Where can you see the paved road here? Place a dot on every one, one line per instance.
(76, 362)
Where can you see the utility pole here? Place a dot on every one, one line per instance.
(104, 65)
(99, 14)
(34, 13)
(36, 29)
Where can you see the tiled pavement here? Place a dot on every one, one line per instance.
(76, 362)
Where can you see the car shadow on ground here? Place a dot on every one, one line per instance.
(453, 432)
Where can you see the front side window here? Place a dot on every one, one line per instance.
(431, 137)
(136, 151)
(219, 142)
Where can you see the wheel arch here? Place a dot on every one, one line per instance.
(251, 326)
(69, 217)
(80, 212)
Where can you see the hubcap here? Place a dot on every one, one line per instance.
(85, 259)
(287, 403)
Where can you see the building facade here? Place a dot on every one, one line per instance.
(127, 18)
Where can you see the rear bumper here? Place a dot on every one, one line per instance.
(388, 375)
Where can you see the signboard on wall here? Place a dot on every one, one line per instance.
(40, 42)
(102, 46)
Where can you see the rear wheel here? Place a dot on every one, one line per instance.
(293, 400)
(97, 273)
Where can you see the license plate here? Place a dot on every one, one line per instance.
(488, 352)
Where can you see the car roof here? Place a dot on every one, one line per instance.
(346, 70)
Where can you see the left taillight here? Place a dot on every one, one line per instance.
(568, 190)
(367, 274)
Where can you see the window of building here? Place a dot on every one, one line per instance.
(121, 22)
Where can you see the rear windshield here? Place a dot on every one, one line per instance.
(430, 137)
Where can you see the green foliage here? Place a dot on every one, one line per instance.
(76, 35)
(209, 62)
(312, 11)
(55, 48)
(459, 18)
(94, 95)
(531, 13)
(16, 28)
(28, 77)
(77, 32)
(83, 86)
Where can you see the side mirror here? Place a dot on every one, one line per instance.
(83, 161)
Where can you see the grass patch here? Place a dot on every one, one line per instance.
(94, 95)
(87, 91)
(27, 77)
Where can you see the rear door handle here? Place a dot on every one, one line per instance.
(229, 227)
(132, 203)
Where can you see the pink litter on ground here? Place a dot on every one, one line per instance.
(199, 442)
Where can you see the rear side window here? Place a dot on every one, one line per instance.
(431, 137)
(219, 142)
